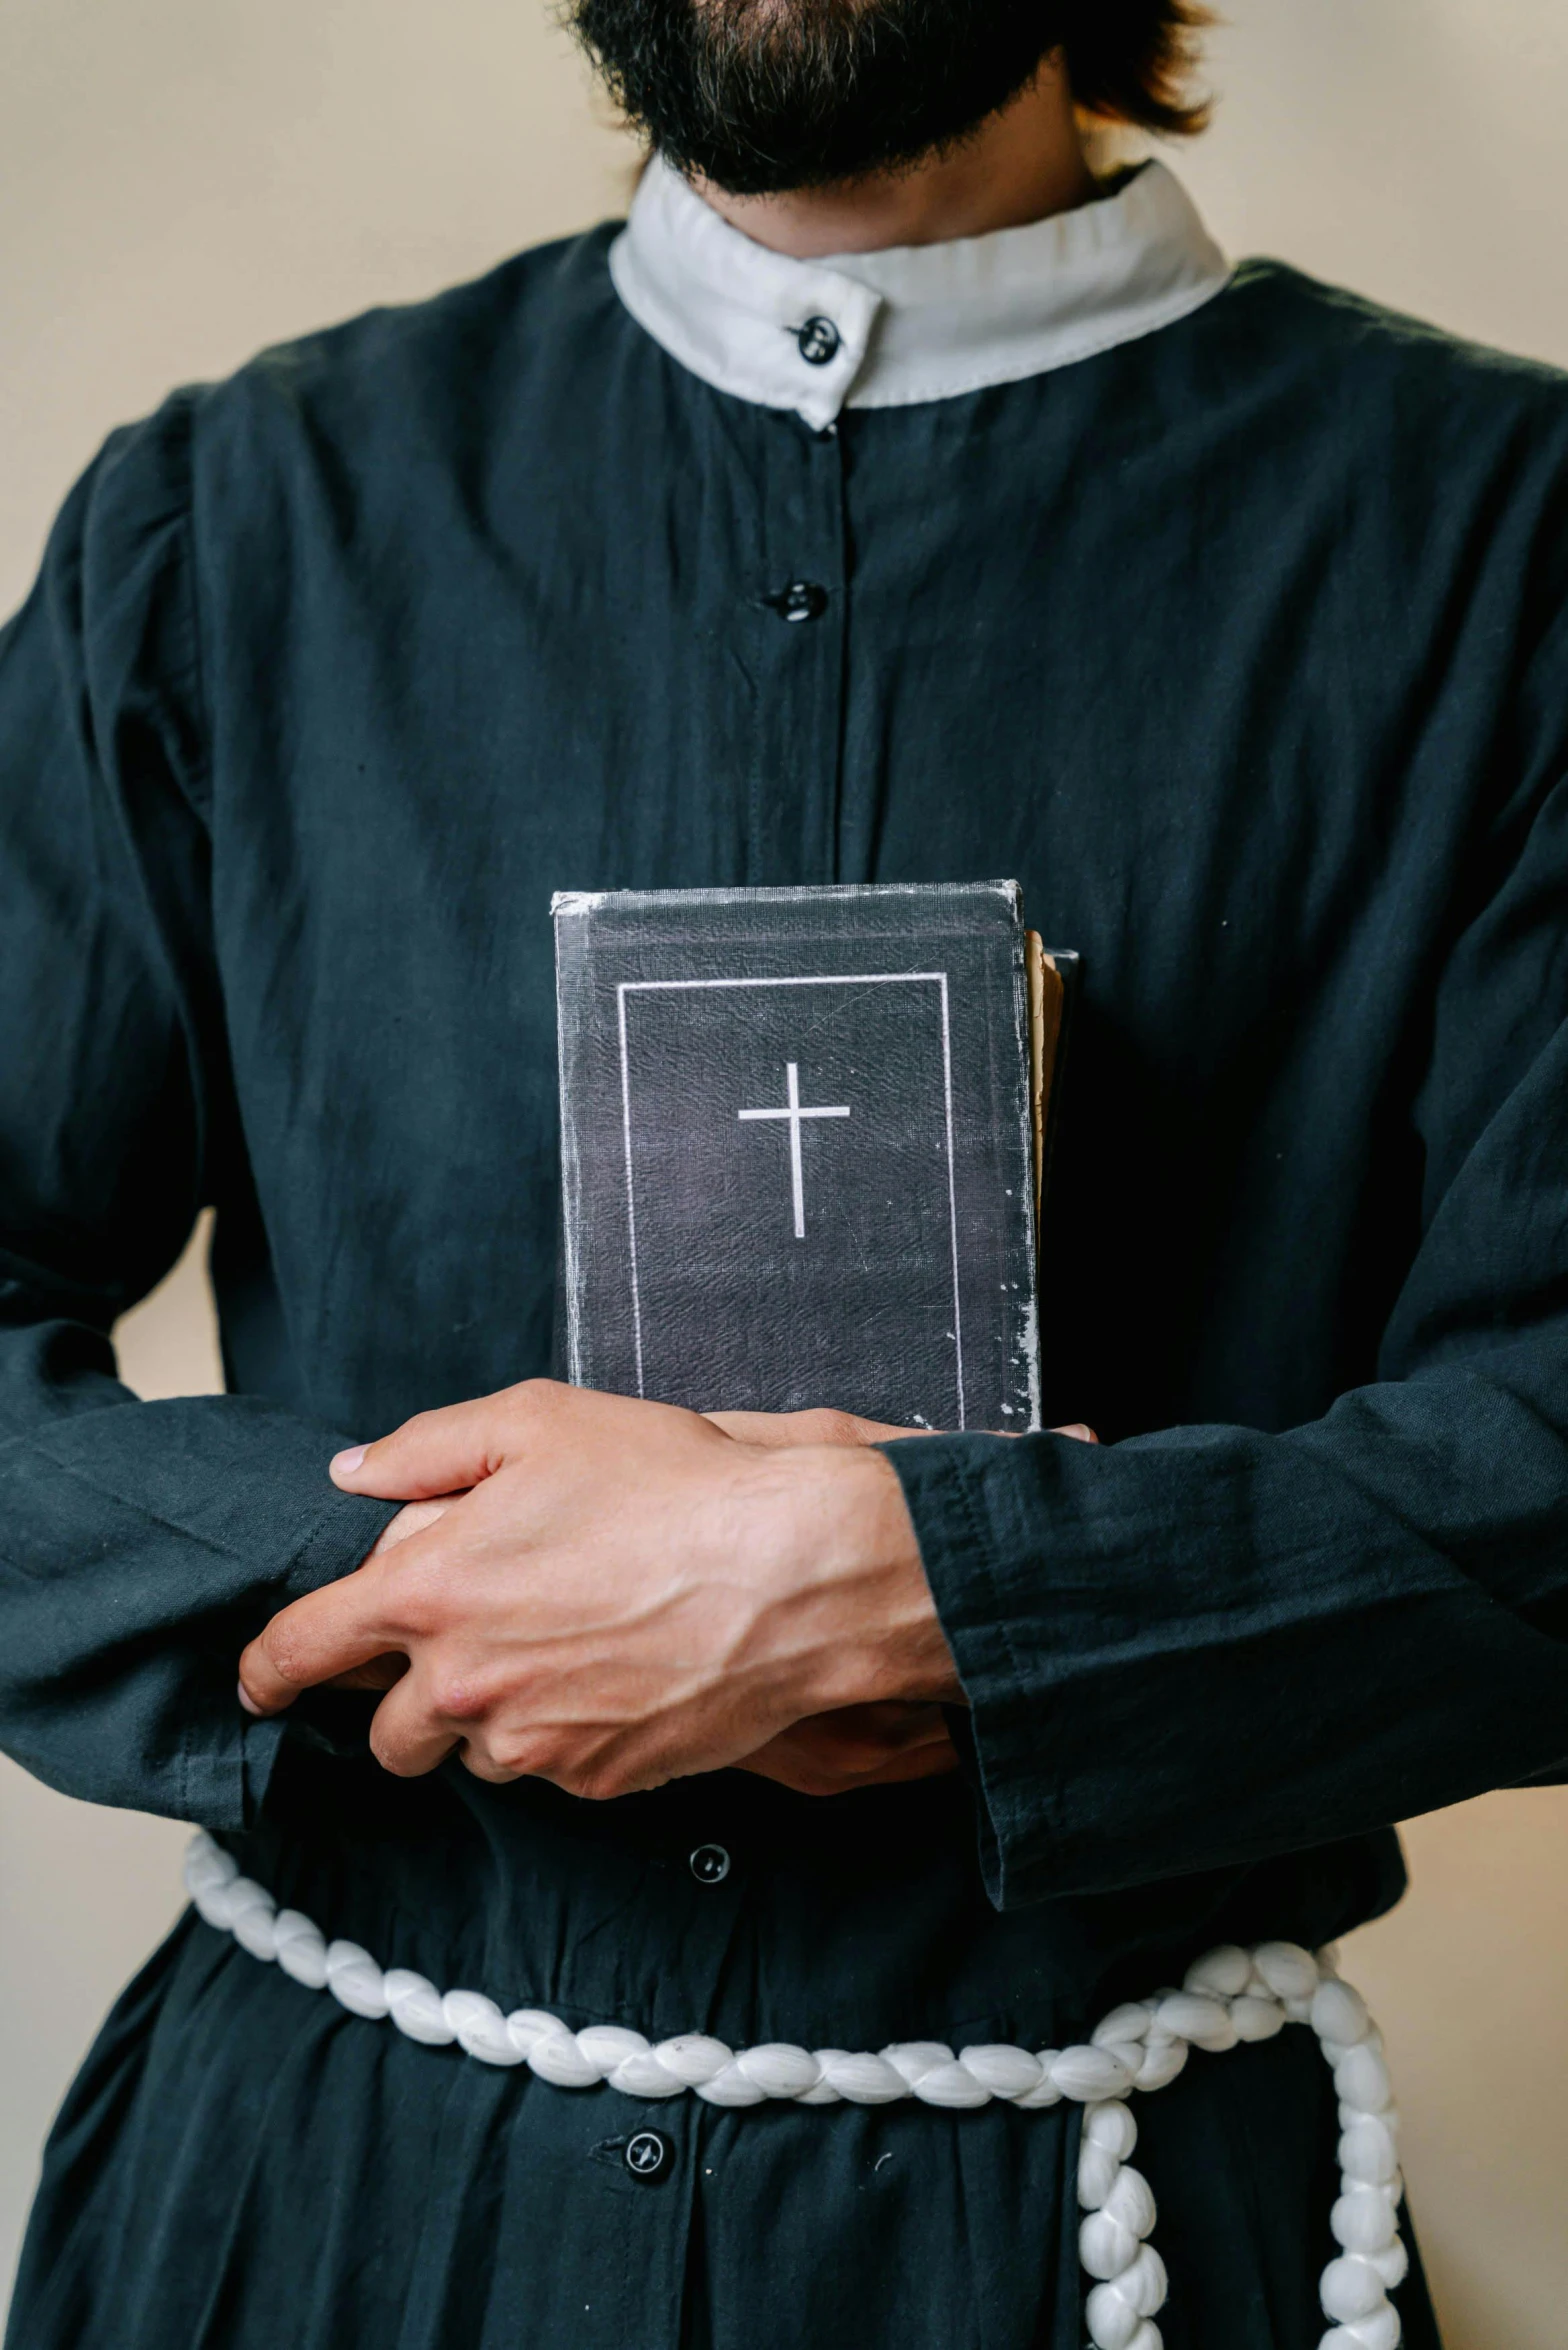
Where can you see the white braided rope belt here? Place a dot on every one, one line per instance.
(1229, 1995)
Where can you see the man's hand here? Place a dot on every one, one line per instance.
(382, 1671)
(861, 1745)
(623, 1594)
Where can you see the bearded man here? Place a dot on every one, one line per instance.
(888, 500)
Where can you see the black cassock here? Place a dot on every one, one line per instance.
(1243, 646)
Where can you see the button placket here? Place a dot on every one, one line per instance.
(798, 666)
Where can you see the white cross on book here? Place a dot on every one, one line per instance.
(794, 1113)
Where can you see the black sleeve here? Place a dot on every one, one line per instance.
(140, 1544)
(1206, 1645)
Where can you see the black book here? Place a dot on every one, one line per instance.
(802, 1143)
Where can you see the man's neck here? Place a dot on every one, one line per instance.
(1022, 165)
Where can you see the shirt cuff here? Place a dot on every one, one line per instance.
(227, 1786)
(939, 1476)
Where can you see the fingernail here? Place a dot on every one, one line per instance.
(248, 1702)
(343, 1464)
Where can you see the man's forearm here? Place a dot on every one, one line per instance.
(142, 1542)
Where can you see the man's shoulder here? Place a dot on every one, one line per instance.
(456, 360)
(1367, 358)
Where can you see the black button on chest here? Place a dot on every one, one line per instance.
(819, 341)
(797, 671)
(649, 2154)
(802, 599)
(710, 1864)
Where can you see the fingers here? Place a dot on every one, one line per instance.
(412, 1518)
(436, 1454)
(776, 1430)
(408, 1736)
(876, 1731)
(441, 1455)
(857, 1746)
(810, 1773)
(332, 1631)
(382, 1673)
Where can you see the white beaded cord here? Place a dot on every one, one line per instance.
(1229, 1995)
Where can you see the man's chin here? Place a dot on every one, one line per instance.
(761, 100)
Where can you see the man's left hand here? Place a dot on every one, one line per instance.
(610, 1594)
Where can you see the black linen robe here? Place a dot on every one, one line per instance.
(1243, 646)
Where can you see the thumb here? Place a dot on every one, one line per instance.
(1079, 1431)
(431, 1457)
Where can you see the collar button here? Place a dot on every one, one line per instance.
(819, 341)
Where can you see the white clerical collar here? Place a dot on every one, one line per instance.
(920, 322)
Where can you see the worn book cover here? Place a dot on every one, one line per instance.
(801, 1136)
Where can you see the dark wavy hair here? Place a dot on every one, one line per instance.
(1129, 60)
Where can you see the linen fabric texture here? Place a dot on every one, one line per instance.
(1243, 646)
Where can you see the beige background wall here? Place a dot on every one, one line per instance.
(182, 180)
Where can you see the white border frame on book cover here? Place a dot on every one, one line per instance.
(937, 979)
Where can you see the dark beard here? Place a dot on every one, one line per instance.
(762, 95)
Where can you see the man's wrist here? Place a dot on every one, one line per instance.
(855, 1560)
